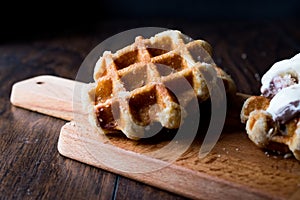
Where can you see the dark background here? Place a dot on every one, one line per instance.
(22, 19)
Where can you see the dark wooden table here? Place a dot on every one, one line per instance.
(32, 168)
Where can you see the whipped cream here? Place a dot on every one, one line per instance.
(281, 75)
(285, 104)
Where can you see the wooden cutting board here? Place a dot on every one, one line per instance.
(234, 169)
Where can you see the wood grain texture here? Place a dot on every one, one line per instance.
(234, 165)
(245, 49)
(127, 190)
(31, 168)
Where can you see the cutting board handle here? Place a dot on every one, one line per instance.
(45, 94)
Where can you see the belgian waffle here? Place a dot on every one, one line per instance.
(131, 85)
(268, 133)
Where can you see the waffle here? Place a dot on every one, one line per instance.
(273, 119)
(131, 88)
(268, 133)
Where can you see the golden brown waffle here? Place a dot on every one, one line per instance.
(131, 85)
(265, 132)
